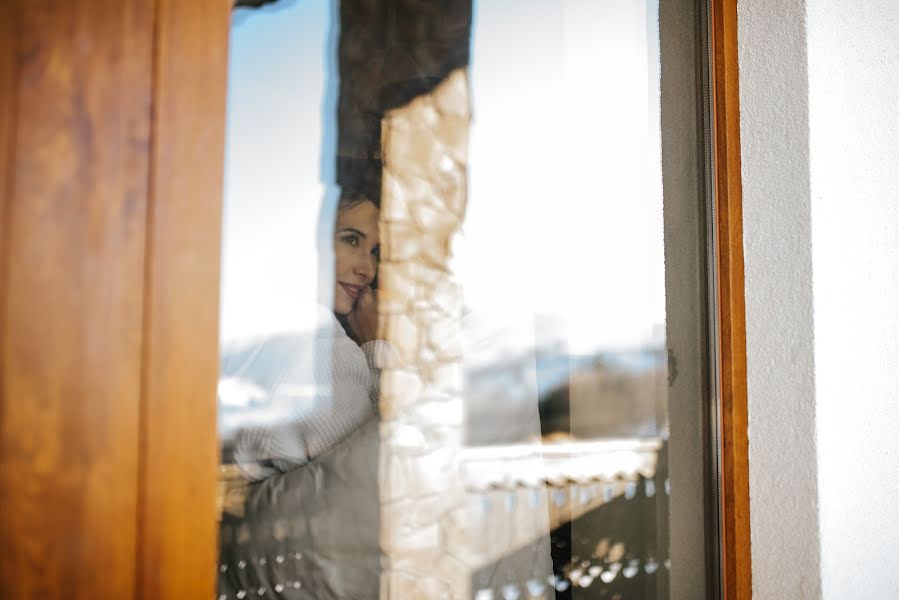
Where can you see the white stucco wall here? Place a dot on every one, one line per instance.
(820, 149)
(779, 325)
(854, 123)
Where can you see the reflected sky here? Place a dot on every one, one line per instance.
(273, 176)
(562, 242)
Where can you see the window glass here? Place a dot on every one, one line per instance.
(444, 354)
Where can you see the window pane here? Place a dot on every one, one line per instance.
(445, 359)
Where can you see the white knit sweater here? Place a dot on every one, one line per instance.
(346, 383)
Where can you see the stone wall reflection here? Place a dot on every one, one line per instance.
(424, 149)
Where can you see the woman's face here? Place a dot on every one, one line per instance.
(356, 247)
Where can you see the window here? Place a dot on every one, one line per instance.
(521, 187)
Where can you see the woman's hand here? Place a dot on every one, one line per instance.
(363, 320)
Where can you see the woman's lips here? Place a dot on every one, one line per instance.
(353, 291)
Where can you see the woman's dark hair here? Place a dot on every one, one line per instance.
(360, 178)
(351, 200)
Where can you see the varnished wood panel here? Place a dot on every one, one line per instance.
(177, 550)
(9, 75)
(74, 220)
(736, 567)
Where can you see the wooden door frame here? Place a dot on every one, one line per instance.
(112, 119)
(178, 478)
(736, 558)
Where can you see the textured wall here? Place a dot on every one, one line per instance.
(820, 143)
(854, 123)
(685, 289)
(423, 509)
(685, 292)
(779, 328)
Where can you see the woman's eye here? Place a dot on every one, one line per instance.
(376, 252)
(352, 239)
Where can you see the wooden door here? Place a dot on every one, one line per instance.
(111, 129)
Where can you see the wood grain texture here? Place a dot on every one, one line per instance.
(75, 179)
(737, 557)
(178, 526)
(9, 82)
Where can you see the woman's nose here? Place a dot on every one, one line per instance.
(365, 267)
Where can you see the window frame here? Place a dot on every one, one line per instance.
(733, 444)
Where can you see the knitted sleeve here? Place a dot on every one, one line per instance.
(345, 387)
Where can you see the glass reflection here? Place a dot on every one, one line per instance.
(443, 366)
(298, 387)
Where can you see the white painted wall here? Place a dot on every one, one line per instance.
(779, 326)
(854, 123)
(820, 149)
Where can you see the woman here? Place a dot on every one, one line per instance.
(347, 380)
(309, 524)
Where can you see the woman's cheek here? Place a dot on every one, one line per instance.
(339, 259)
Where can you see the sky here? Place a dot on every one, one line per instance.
(564, 219)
